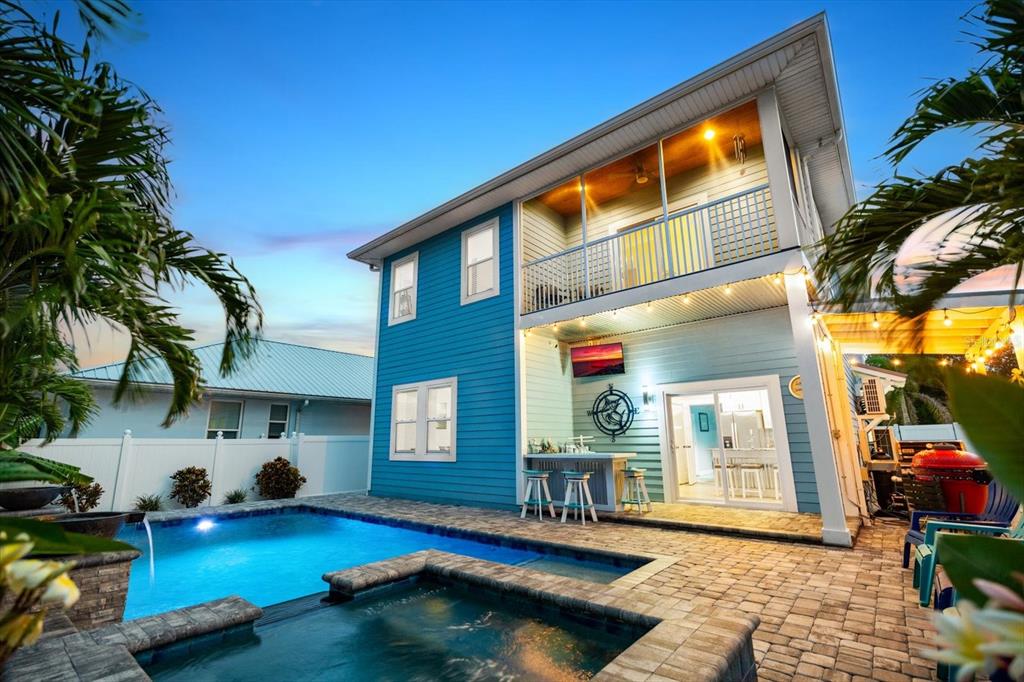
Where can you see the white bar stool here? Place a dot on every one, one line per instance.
(755, 473)
(634, 492)
(577, 487)
(537, 485)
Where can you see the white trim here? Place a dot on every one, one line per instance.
(373, 382)
(287, 416)
(769, 382)
(421, 454)
(413, 258)
(209, 413)
(777, 164)
(494, 224)
(519, 364)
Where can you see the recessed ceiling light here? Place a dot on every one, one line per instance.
(709, 134)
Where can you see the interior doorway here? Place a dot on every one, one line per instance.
(725, 442)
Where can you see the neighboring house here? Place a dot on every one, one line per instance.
(681, 229)
(282, 388)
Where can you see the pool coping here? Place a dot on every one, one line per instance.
(108, 653)
(683, 642)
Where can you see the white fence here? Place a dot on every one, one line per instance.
(129, 467)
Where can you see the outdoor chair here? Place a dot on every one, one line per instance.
(926, 555)
(999, 511)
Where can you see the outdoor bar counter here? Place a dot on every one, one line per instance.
(606, 478)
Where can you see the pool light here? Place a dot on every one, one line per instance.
(204, 525)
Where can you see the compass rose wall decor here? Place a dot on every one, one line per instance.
(613, 412)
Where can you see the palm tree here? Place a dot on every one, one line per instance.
(974, 210)
(86, 233)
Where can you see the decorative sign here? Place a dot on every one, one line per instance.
(613, 412)
(796, 387)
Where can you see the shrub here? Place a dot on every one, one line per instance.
(278, 479)
(88, 497)
(236, 497)
(191, 486)
(149, 503)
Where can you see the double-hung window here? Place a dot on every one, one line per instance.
(480, 262)
(225, 417)
(423, 421)
(404, 273)
(277, 424)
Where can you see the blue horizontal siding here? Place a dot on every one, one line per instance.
(751, 344)
(476, 344)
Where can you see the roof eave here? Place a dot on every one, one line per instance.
(813, 25)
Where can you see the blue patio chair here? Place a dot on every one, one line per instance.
(999, 511)
(926, 555)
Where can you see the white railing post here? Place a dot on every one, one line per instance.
(214, 491)
(122, 479)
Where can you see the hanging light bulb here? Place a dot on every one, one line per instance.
(944, 362)
(686, 298)
(999, 345)
(815, 315)
(728, 290)
(554, 327)
(649, 306)
(583, 322)
(777, 279)
(896, 362)
(875, 324)
(945, 318)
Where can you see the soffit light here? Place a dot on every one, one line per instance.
(709, 134)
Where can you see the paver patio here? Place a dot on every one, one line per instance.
(826, 613)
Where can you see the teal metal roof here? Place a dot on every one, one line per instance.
(275, 367)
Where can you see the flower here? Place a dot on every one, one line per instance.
(21, 629)
(29, 574)
(12, 551)
(61, 590)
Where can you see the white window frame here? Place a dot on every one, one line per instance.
(494, 225)
(414, 258)
(287, 417)
(209, 415)
(420, 454)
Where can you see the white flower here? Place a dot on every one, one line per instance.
(12, 551)
(61, 590)
(29, 574)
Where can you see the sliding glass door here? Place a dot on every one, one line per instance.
(723, 442)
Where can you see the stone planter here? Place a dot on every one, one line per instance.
(33, 497)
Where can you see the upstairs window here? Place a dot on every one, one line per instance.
(423, 421)
(480, 262)
(403, 289)
(226, 417)
(277, 424)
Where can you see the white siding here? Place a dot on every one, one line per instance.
(548, 388)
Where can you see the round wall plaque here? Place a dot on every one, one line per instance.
(796, 387)
(613, 412)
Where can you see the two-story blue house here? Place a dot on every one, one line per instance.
(673, 240)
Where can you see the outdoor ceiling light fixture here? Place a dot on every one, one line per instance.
(945, 318)
(709, 134)
(875, 324)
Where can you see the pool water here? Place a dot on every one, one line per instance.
(273, 558)
(409, 632)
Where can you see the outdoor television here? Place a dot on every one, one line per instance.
(591, 361)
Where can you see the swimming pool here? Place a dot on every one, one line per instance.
(417, 630)
(272, 558)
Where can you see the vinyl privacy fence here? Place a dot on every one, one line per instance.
(128, 467)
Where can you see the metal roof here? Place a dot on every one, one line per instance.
(797, 63)
(274, 368)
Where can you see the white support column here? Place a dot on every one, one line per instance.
(777, 162)
(119, 496)
(826, 471)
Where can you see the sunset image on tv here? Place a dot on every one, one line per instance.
(589, 361)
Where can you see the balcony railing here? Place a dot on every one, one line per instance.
(727, 230)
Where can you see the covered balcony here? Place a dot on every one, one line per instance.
(692, 201)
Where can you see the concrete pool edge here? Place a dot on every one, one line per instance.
(683, 642)
(108, 653)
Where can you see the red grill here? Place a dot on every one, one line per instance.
(964, 476)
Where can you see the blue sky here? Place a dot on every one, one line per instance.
(303, 129)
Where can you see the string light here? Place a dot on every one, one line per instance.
(945, 318)
(554, 328)
(728, 291)
(896, 362)
(583, 322)
(944, 362)
(649, 306)
(999, 345)
(777, 279)
(686, 298)
(815, 315)
(988, 352)
(874, 322)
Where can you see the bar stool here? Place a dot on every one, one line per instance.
(752, 472)
(577, 487)
(634, 492)
(537, 483)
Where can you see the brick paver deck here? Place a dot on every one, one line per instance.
(751, 522)
(826, 613)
